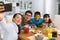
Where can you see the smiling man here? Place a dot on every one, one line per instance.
(26, 18)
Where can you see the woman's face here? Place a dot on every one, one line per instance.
(18, 19)
(46, 19)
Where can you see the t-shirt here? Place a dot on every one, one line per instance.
(19, 28)
(24, 23)
(36, 22)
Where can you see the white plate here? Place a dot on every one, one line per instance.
(33, 37)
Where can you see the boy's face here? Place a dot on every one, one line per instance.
(37, 17)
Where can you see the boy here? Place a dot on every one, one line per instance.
(37, 20)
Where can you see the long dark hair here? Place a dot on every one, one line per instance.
(47, 15)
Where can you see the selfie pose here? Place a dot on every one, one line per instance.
(10, 29)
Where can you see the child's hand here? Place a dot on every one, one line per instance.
(43, 24)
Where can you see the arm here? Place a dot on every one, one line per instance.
(3, 23)
(52, 24)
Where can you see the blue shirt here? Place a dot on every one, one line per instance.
(37, 22)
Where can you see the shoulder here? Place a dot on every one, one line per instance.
(12, 24)
(41, 18)
(32, 19)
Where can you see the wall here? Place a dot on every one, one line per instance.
(45, 6)
(51, 7)
(38, 5)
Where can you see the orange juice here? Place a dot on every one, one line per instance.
(49, 35)
(47, 30)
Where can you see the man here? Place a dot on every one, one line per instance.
(26, 18)
(10, 29)
(37, 20)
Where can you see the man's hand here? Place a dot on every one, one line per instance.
(1, 17)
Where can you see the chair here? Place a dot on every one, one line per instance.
(57, 22)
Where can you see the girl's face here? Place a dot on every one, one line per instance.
(46, 19)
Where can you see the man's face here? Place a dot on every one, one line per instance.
(27, 16)
(18, 19)
(2, 8)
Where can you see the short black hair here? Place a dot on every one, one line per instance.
(37, 13)
(28, 11)
(2, 3)
(16, 14)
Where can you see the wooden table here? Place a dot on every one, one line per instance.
(23, 36)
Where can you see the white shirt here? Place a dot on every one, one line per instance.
(10, 30)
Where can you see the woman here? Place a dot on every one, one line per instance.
(11, 29)
(47, 21)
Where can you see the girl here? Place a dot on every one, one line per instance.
(47, 21)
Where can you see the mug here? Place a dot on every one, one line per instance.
(26, 30)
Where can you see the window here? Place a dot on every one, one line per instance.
(59, 7)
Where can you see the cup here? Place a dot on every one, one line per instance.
(54, 34)
(26, 30)
(49, 35)
(47, 30)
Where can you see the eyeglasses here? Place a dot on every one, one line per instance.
(28, 15)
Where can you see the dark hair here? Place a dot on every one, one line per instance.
(37, 13)
(2, 3)
(47, 15)
(28, 11)
(16, 14)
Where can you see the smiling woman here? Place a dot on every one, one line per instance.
(10, 29)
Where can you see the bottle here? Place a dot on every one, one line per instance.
(47, 30)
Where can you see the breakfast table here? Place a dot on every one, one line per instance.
(23, 36)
